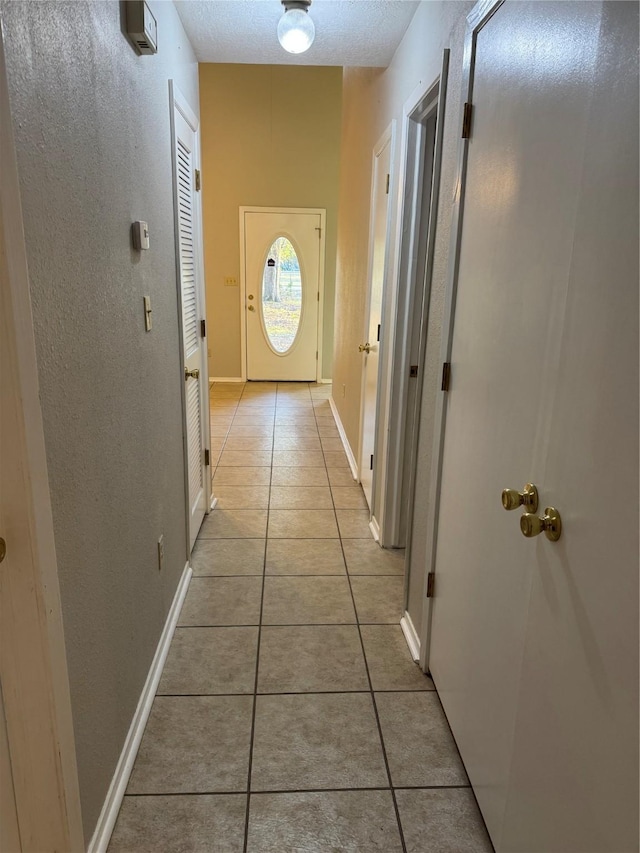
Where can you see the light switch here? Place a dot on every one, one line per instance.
(147, 313)
(140, 234)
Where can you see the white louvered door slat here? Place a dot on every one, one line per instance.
(196, 392)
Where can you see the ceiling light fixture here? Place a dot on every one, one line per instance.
(296, 30)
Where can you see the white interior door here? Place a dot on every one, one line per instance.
(39, 797)
(188, 225)
(9, 831)
(533, 650)
(371, 347)
(283, 252)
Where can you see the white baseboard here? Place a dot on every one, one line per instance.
(411, 636)
(115, 794)
(345, 441)
(213, 379)
(374, 527)
(326, 381)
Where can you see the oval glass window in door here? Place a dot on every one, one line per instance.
(281, 295)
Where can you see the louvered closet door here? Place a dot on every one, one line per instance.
(192, 313)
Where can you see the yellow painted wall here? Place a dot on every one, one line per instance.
(270, 137)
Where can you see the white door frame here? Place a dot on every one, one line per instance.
(322, 213)
(388, 137)
(476, 19)
(177, 101)
(415, 223)
(33, 663)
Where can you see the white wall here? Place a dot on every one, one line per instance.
(372, 99)
(92, 132)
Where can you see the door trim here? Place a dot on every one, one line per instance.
(476, 19)
(425, 103)
(388, 137)
(318, 211)
(38, 710)
(177, 101)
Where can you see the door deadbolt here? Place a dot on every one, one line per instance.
(193, 374)
(251, 296)
(528, 498)
(550, 524)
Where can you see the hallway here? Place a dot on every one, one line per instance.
(290, 716)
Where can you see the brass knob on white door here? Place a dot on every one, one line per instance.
(550, 524)
(193, 374)
(364, 348)
(528, 498)
(251, 308)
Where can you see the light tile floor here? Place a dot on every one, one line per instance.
(290, 716)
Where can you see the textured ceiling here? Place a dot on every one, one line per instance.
(348, 32)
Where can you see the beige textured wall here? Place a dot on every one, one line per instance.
(372, 99)
(92, 128)
(270, 137)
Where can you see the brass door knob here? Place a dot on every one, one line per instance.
(250, 296)
(250, 308)
(512, 499)
(193, 374)
(550, 524)
(364, 348)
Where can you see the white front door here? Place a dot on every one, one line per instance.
(188, 227)
(534, 645)
(371, 347)
(283, 252)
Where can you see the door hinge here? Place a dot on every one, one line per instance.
(203, 328)
(316, 355)
(319, 230)
(413, 371)
(387, 189)
(206, 456)
(198, 180)
(431, 579)
(378, 331)
(371, 462)
(318, 294)
(446, 376)
(466, 120)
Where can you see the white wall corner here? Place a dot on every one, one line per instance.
(345, 441)
(109, 814)
(374, 527)
(411, 636)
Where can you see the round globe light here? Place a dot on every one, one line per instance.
(296, 31)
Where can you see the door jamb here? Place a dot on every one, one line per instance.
(322, 213)
(476, 19)
(426, 102)
(388, 137)
(48, 807)
(177, 101)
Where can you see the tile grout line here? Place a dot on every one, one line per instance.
(300, 791)
(255, 683)
(371, 693)
(297, 692)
